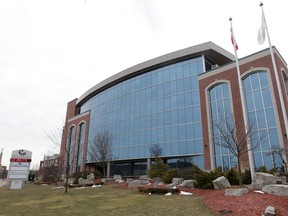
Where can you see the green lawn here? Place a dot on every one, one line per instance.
(105, 200)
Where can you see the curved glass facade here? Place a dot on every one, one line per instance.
(161, 107)
(261, 114)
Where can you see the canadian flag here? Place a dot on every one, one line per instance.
(233, 39)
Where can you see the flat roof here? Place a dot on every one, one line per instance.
(219, 55)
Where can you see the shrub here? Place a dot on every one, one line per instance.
(232, 176)
(190, 172)
(153, 190)
(158, 169)
(262, 169)
(187, 173)
(170, 174)
(97, 174)
(76, 177)
(246, 177)
(205, 179)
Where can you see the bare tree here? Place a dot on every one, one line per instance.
(65, 140)
(101, 150)
(155, 150)
(236, 140)
(278, 151)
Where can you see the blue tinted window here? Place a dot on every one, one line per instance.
(220, 109)
(161, 106)
(267, 97)
(262, 117)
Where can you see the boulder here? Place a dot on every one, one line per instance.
(262, 179)
(188, 183)
(117, 177)
(177, 181)
(236, 192)
(270, 211)
(143, 177)
(82, 181)
(91, 176)
(221, 183)
(137, 183)
(157, 180)
(277, 189)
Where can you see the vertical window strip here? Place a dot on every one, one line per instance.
(260, 150)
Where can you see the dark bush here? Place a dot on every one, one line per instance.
(187, 173)
(262, 169)
(190, 172)
(97, 174)
(232, 176)
(157, 170)
(77, 175)
(170, 174)
(246, 177)
(205, 179)
(157, 190)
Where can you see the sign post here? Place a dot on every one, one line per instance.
(19, 168)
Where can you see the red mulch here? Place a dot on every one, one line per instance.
(250, 204)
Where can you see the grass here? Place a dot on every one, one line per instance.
(105, 200)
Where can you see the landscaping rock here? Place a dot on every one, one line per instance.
(70, 180)
(82, 181)
(188, 183)
(262, 179)
(221, 183)
(236, 192)
(277, 189)
(177, 181)
(117, 177)
(91, 176)
(157, 180)
(129, 179)
(137, 183)
(270, 211)
(143, 177)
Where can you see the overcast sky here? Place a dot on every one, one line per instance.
(53, 51)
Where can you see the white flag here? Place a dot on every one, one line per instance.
(261, 31)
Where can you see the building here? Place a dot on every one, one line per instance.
(175, 101)
(50, 161)
(50, 168)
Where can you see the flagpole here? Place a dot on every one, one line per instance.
(250, 149)
(276, 75)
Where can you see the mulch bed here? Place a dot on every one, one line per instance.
(250, 204)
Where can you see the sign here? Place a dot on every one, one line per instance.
(19, 165)
(19, 160)
(21, 154)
